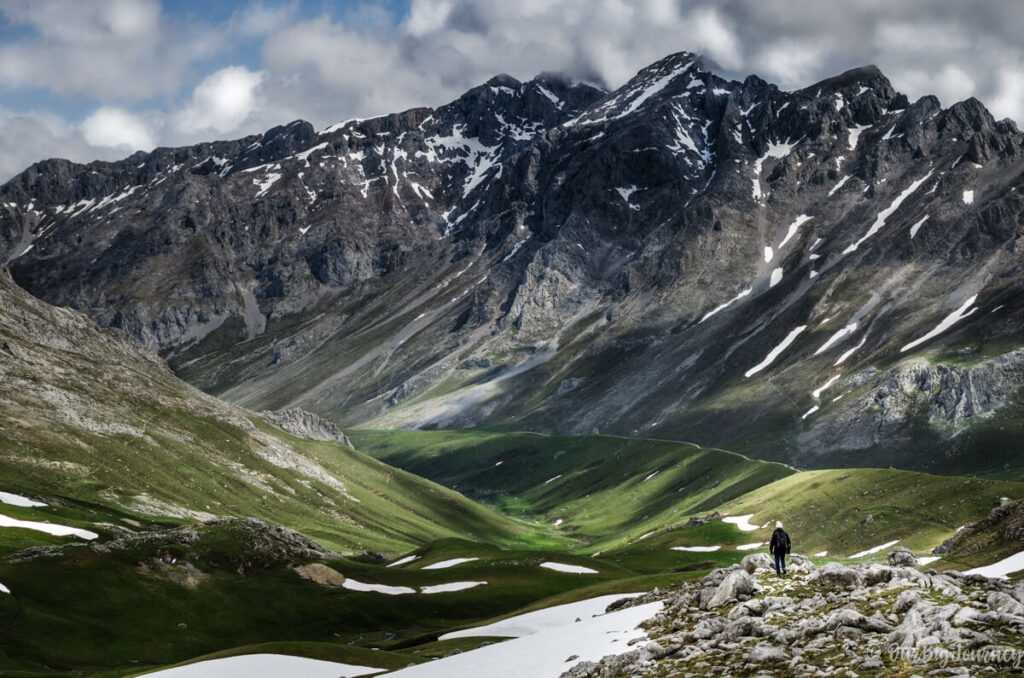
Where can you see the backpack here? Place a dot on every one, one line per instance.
(780, 541)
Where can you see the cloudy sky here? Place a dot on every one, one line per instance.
(88, 79)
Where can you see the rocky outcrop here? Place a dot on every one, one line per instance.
(305, 424)
(238, 544)
(832, 621)
(319, 573)
(902, 557)
(948, 399)
(1004, 526)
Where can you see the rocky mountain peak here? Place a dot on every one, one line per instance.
(685, 255)
(870, 77)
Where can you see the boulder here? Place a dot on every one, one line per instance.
(745, 627)
(707, 628)
(902, 557)
(906, 600)
(799, 564)
(751, 608)
(303, 424)
(764, 653)
(756, 561)
(320, 574)
(1001, 602)
(834, 574)
(849, 617)
(737, 583)
(877, 574)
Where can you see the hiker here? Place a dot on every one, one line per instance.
(779, 547)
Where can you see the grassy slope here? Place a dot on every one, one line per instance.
(609, 507)
(379, 508)
(607, 490)
(111, 618)
(89, 423)
(848, 510)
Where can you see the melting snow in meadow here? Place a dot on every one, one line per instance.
(742, 522)
(453, 586)
(947, 322)
(876, 549)
(542, 654)
(776, 277)
(445, 564)
(809, 412)
(4, 589)
(888, 212)
(404, 561)
(821, 554)
(571, 569)
(968, 197)
(18, 500)
(775, 352)
(353, 585)
(266, 666)
(927, 560)
(49, 528)
(696, 549)
(750, 547)
(1006, 566)
(549, 618)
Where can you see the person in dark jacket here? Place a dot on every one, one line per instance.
(779, 546)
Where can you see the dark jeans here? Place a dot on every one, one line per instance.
(780, 563)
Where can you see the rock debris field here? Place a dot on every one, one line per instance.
(833, 620)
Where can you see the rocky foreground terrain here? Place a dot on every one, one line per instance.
(834, 620)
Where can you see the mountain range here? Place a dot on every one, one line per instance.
(826, 277)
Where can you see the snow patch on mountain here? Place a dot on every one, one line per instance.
(884, 215)
(947, 322)
(776, 352)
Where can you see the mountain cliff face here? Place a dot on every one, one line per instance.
(829, 276)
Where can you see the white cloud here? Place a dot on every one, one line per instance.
(30, 136)
(716, 37)
(115, 127)
(427, 17)
(333, 68)
(124, 50)
(950, 83)
(792, 63)
(221, 103)
(259, 18)
(1009, 99)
